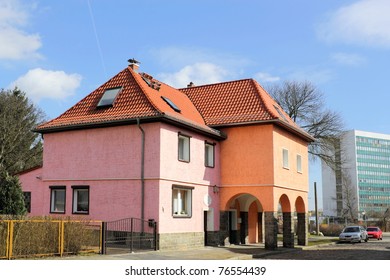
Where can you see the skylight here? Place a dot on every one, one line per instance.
(109, 96)
(171, 104)
(280, 113)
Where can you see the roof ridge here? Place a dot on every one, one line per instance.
(217, 83)
(143, 89)
(260, 91)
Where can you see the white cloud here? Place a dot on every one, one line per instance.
(41, 84)
(15, 43)
(199, 73)
(266, 77)
(365, 22)
(348, 59)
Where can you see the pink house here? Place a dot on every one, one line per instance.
(136, 147)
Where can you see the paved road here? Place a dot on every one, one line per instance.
(372, 250)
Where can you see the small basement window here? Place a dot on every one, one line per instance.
(109, 97)
(171, 104)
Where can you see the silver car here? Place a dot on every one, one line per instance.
(353, 234)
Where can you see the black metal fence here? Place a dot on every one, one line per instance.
(129, 235)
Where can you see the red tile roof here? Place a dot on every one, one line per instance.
(202, 108)
(136, 100)
(238, 102)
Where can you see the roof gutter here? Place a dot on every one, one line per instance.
(212, 133)
(299, 132)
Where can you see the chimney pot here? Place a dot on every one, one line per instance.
(191, 84)
(134, 64)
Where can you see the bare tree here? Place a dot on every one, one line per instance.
(305, 105)
(349, 199)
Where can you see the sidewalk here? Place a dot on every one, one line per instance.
(232, 252)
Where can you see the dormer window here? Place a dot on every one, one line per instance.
(109, 97)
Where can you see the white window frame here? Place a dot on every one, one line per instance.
(299, 163)
(77, 190)
(184, 148)
(57, 202)
(285, 160)
(182, 202)
(209, 154)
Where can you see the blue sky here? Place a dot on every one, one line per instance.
(59, 51)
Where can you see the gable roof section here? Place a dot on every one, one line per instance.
(136, 100)
(239, 102)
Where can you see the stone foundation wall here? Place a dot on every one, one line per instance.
(180, 241)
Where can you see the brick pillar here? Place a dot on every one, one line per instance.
(288, 230)
(302, 230)
(223, 228)
(260, 224)
(244, 228)
(271, 230)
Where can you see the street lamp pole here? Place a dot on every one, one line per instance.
(364, 218)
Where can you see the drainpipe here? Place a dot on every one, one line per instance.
(142, 174)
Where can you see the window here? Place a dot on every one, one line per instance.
(285, 158)
(299, 163)
(171, 104)
(184, 148)
(57, 199)
(181, 201)
(280, 113)
(27, 201)
(209, 154)
(109, 97)
(80, 199)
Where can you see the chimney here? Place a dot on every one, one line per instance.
(134, 64)
(191, 84)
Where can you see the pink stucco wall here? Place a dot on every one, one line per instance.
(31, 182)
(191, 174)
(108, 160)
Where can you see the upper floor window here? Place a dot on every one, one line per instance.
(57, 199)
(285, 159)
(299, 163)
(209, 154)
(184, 148)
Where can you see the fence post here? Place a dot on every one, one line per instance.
(10, 239)
(155, 236)
(62, 237)
(131, 235)
(103, 250)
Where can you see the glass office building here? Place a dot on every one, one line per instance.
(363, 179)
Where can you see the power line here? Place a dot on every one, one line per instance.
(97, 38)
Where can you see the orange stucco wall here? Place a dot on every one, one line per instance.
(252, 163)
(290, 177)
(247, 156)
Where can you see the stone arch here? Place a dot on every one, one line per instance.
(300, 206)
(287, 221)
(243, 219)
(284, 201)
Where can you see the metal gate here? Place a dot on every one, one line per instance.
(129, 235)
